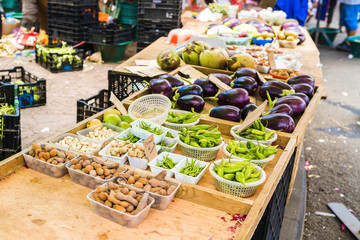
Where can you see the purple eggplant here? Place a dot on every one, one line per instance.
(231, 22)
(252, 22)
(303, 78)
(297, 104)
(237, 97)
(226, 112)
(209, 88)
(278, 121)
(173, 80)
(275, 88)
(192, 89)
(302, 96)
(263, 28)
(282, 108)
(247, 109)
(304, 88)
(288, 24)
(245, 71)
(189, 102)
(247, 83)
(222, 77)
(212, 25)
(161, 86)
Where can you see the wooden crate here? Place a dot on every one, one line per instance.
(45, 207)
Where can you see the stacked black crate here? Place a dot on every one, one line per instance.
(67, 20)
(156, 18)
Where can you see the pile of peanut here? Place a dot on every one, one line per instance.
(75, 143)
(101, 133)
(119, 149)
(50, 154)
(121, 198)
(144, 181)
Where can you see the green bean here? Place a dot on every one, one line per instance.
(131, 137)
(167, 163)
(147, 127)
(191, 169)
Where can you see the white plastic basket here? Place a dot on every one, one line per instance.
(186, 178)
(86, 131)
(141, 163)
(56, 141)
(168, 141)
(155, 169)
(143, 134)
(236, 188)
(177, 126)
(103, 154)
(203, 154)
(262, 142)
(260, 162)
(143, 105)
(288, 44)
(125, 134)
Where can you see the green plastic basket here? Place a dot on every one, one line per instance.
(355, 45)
(128, 13)
(330, 32)
(112, 53)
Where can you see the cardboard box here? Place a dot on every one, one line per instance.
(8, 27)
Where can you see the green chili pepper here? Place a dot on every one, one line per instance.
(239, 176)
(199, 127)
(203, 142)
(194, 144)
(251, 180)
(229, 176)
(221, 172)
(250, 145)
(259, 155)
(269, 134)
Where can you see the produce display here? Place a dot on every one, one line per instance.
(201, 136)
(293, 26)
(119, 149)
(114, 117)
(265, 35)
(166, 163)
(75, 143)
(250, 151)
(101, 133)
(7, 109)
(284, 73)
(288, 35)
(191, 169)
(242, 172)
(137, 151)
(121, 198)
(94, 166)
(257, 132)
(49, 154)
(182, 118)
(145, 181)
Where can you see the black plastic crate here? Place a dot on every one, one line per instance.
(151, 36)
(124, 85)
(73, 2)
(54, 66)
(160, 25)
(30, 94)
(67, 33)
(106, 35)
(79, 14)
(10, 129)
(270, 224)
(92, 105)
(162, 10)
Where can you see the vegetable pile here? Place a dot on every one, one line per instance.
(182, 118)
(147, 127)
(101, 133)
(75, 143)
(7, 109)
(192, 169)
(250, 151)
(144, 181)
(166, 163)
(202, 136)
(119, 149)
(131, 138)
(257, 132)
(242, 172)
(50, 154)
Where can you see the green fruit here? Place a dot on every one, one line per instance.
(36, 97)
(126, 118)
(124, 125)
(168, 59)
(113, 119)
(19, 82)
(35, 89)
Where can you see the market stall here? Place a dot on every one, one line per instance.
(58, 207)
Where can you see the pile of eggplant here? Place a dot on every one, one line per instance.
(286, 99)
